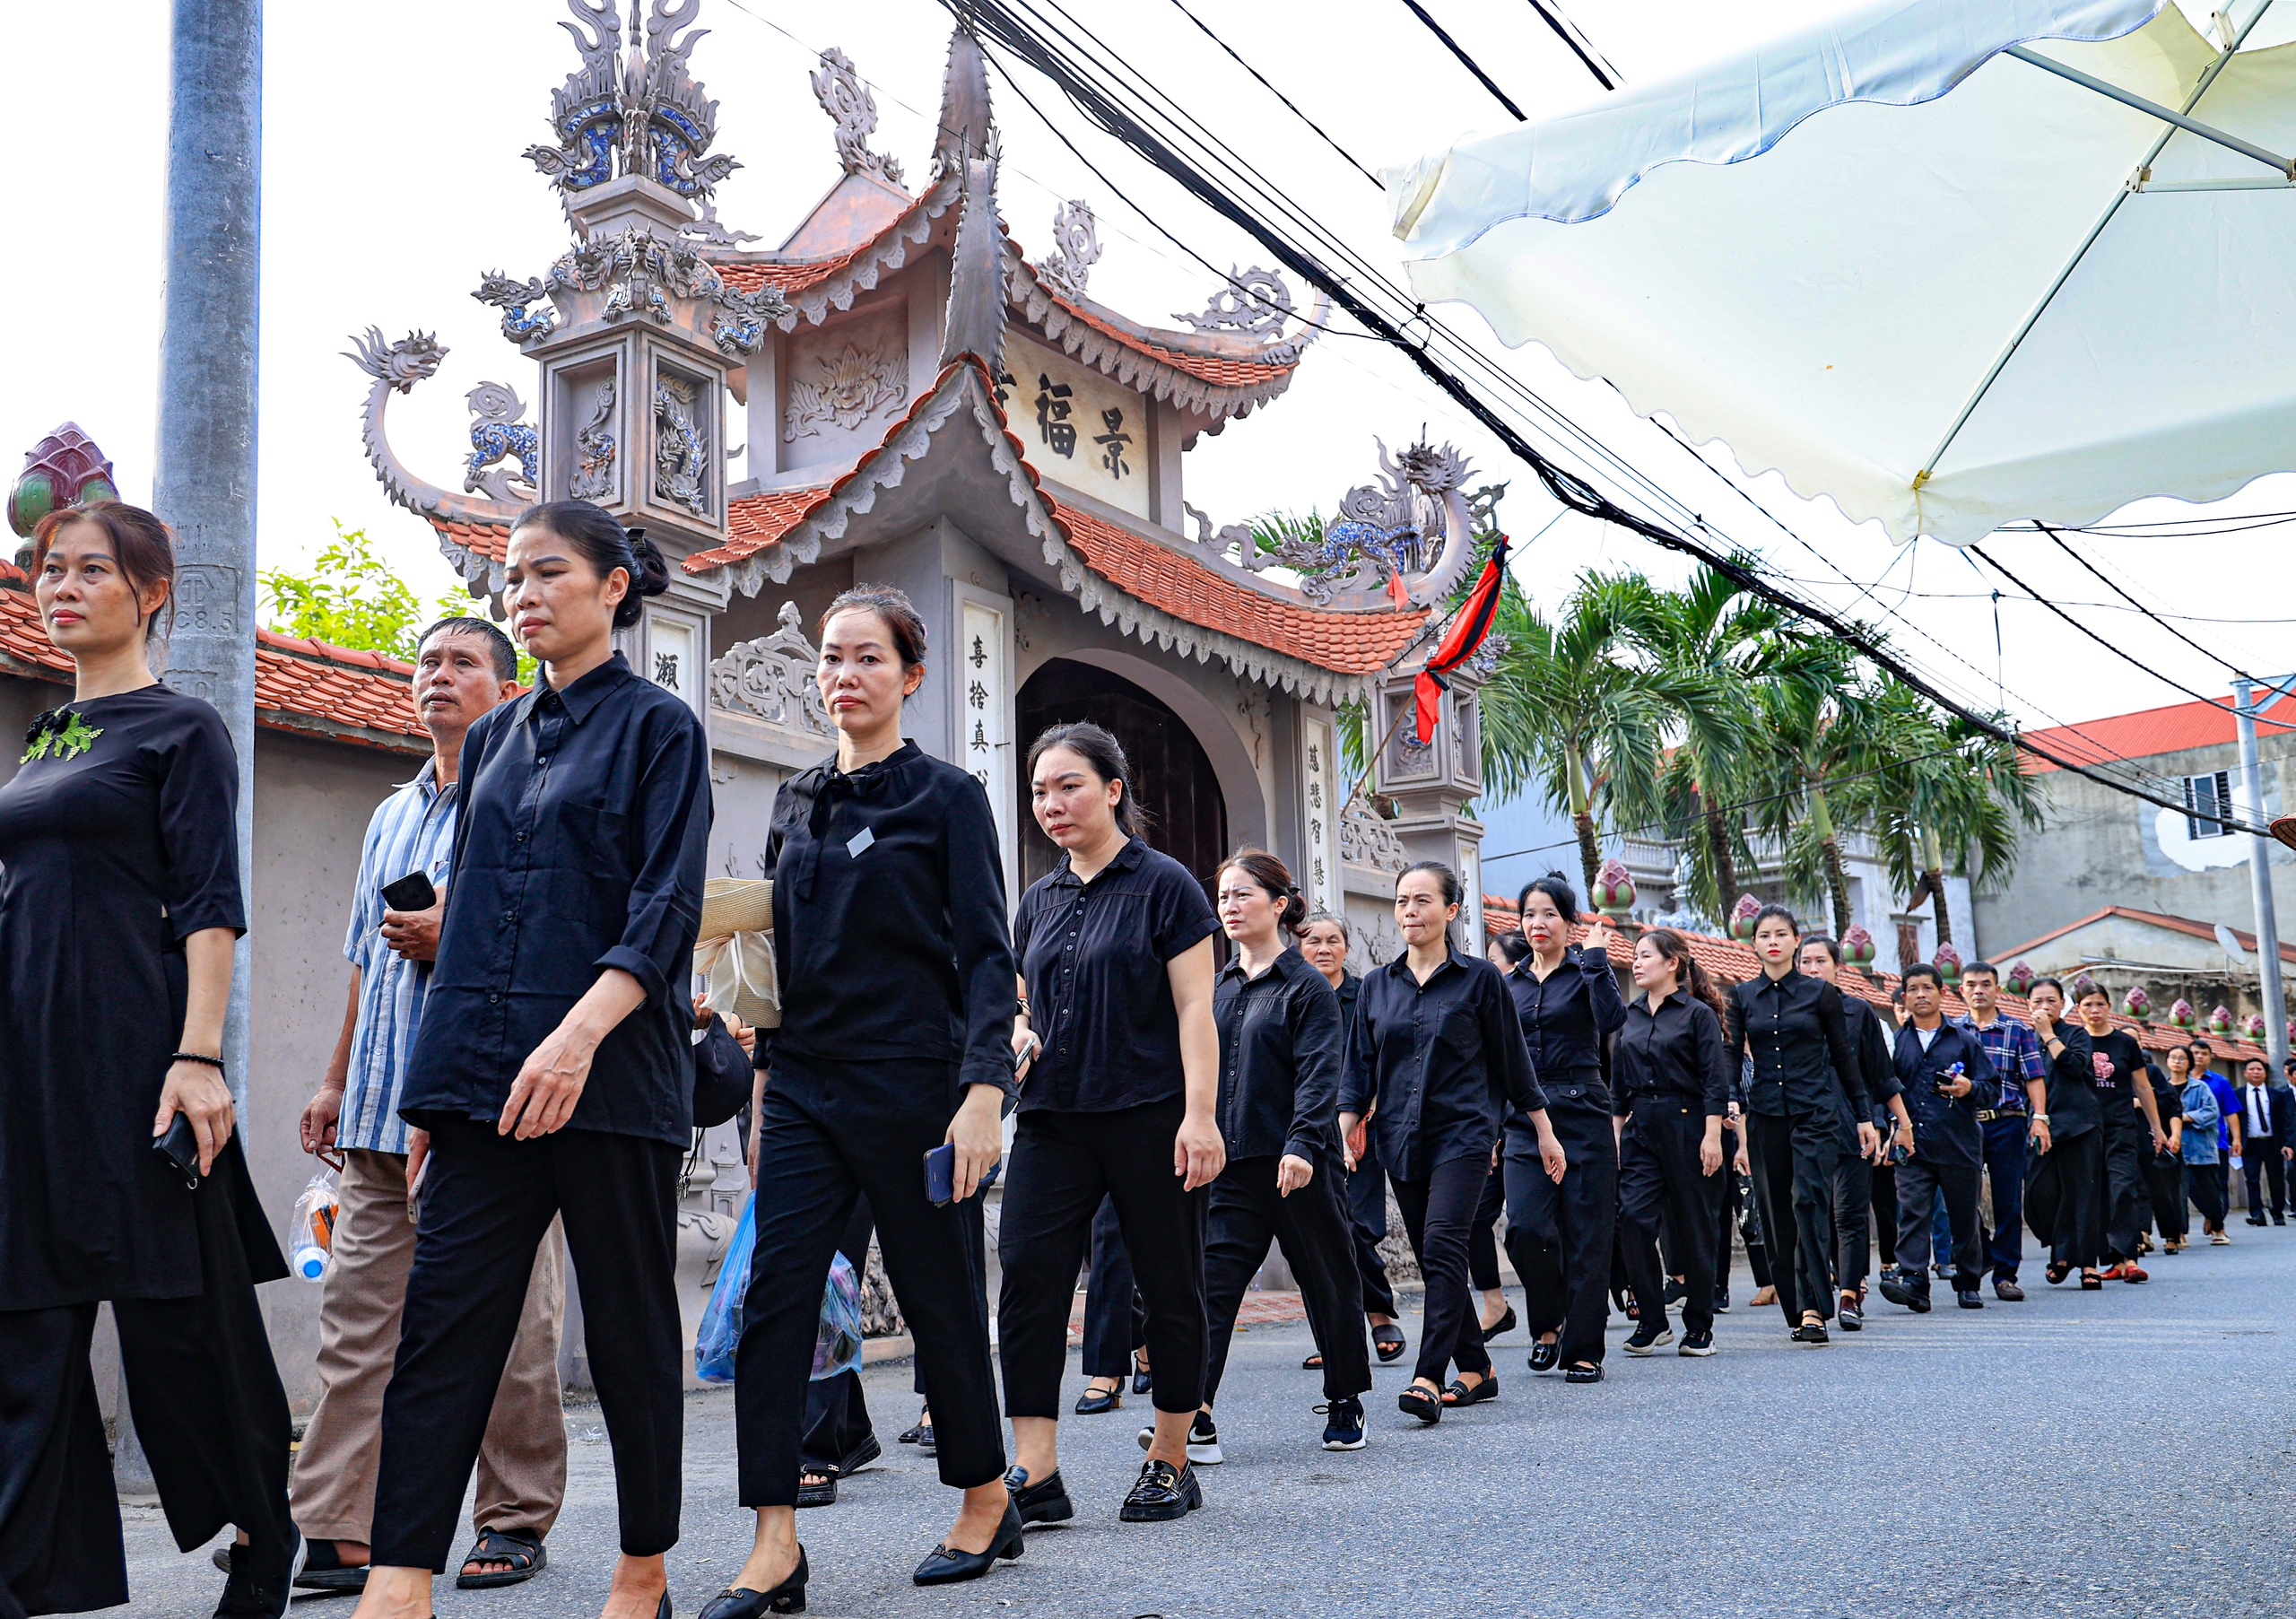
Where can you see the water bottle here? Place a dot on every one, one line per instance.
(311, 1232)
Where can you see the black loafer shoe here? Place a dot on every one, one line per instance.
(1970, 1300)
(1543, 1356)
(740, 1602)
(1811, 1332)
(1046, 1502)
(1162, 1492)
(1582, 1374)
(1098, 1402)
(1895, 1291)
(1917, 1303)
(925, 1446)
(2009, 1293)
(864, 1454)
(946, 1565)
(1852, 1319)
(1506, 1323)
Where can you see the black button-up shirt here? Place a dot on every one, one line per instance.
(1676, 1053)
(584, 836)
(1876, 1063)
(1095, 957)
(1803, 1061)
(1945, 1128)
(889, 922)
(1279, 1060)
(1436, 1065)
(1565, 1016)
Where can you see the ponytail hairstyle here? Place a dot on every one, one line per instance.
(1768, 911)
(893, 606)
(605, 545)
(1689, 975)
(143, 546)
(1104, 755)
(1448, 878)
(1556, 887)
(1274, 879)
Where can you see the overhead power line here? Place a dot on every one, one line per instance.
(1279, 96)
(1465, 61)
(998, 21)
(1581, 46)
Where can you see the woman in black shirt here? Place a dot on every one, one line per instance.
(1561, 1236)
(119, 903)
(1280, 1043)
(897, 996)
(2065, 1200)
(1670, 1071)
(1325, 941)
(1435, 1058)
(554, 1065)
(1116, 959)
(1804, 1067)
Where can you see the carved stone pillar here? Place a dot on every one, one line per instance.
(1432, 783)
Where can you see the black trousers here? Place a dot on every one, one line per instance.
(1062, 1165)
(2208, 1197)
(1793, 1157)
(1483, 1240)
(1920, 1182)
(2164, 1189)
(828, 1136)
(2065, 1199)
(487, 1200)
(207, 1405)
(1115, 1319)
(1367, 1225)
(1661, 1190)
(1885, 1213)
(1438, 1212)
(2260, 1161)
(1853, 1221)
(2008, 1153)
(1561, 1237)
(836, 1415)
(1248, 1215)
(2125, 1154)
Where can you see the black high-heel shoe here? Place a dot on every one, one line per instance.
(1143, 1380)
(739, 1602)
(1506, 1323)
(946, 1565)
(1097, 1402)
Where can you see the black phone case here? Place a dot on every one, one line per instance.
(411, 892)
(179, 1146)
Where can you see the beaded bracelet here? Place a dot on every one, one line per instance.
(215, 1063)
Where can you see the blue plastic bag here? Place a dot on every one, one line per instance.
(837, 1340)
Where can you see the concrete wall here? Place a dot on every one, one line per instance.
(2101, 848)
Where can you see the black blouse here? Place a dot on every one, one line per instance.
(2093, 1081)
(584, 836)
(1279, 1060)
(888, 916)
(1676, 1053)
(1095, 958)
(110, 860)
(1436, 1065)
(1565, 1016)
(1802, 1060)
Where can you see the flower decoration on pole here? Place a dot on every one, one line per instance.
(2077, 988)
(61, 470)
(1614, 889)
(2220, 1020)
(2139, 1004)
(2182, 1016)
(2021, 978)
(1948, 962)
(1742, 917)
(1857, 946)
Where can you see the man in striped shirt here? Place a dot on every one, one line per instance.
(464, 667)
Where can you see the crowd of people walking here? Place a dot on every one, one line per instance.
(522, 1062)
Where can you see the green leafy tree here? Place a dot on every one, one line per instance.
(352, 597)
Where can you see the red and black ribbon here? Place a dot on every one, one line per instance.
(1467, 633)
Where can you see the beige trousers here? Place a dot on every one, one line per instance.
(522, 1463)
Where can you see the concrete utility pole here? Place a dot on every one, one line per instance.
(2260, 847)
(204, 472)
(204, 479)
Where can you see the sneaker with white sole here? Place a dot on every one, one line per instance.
(1696, 1344)
(1343, 1424)
(1202, 1441)
(1648, 1336)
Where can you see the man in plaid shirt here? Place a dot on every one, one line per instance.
(2013, 1123)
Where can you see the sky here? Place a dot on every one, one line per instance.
(393, 181)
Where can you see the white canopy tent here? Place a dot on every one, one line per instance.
(1952, 263)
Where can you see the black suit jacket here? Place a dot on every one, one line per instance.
(2281, 1106)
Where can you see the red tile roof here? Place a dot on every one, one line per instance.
(791, 278)
(1348, 643)
(1730, 962)
(299, 685)
(2148, 732)
(480, 539)
(1220, 370)
(2185, 925)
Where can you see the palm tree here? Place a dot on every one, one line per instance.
(1956, 802)
(1711, 631)
(1574, 710)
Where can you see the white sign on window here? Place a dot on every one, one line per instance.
(1320, 788)
(985, 709)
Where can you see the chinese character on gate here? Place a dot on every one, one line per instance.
(1052, 416)
(979, 737)
(666, 670)
(977, 695)
(1113, 443)
(1005, 383)
(980, 653)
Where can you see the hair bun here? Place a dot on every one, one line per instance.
(653, 576)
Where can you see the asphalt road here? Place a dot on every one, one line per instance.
(2127, 1452)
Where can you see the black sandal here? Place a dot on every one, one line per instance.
(1314, 1362)
(2058, 1271)
(1422, 1403)
(522, 1551)
(1386, 1341)
(1459, 1394)
(822, 1494)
